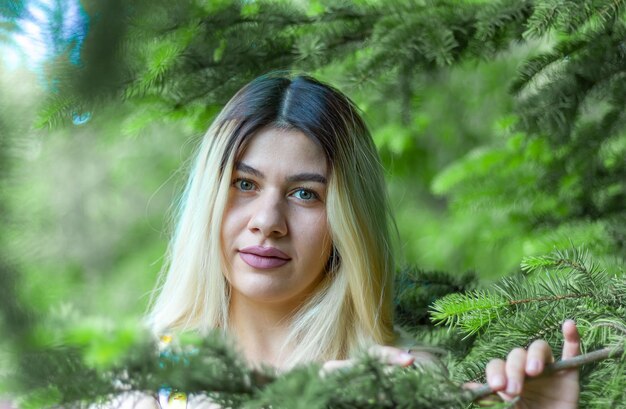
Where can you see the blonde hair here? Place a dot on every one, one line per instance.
(352, 307)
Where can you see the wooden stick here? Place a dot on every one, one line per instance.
(575, 362)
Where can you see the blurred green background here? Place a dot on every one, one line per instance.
(102, 106)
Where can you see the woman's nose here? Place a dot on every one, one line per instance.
(268, 216)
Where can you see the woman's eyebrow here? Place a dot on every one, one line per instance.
(307, 177)
(299, 177)
(242, 167)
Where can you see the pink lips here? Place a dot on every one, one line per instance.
(263, 257)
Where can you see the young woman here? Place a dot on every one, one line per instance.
(284, 242)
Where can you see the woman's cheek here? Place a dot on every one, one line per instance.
(316, 234)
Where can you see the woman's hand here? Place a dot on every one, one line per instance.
(556, 391)
(387, 355)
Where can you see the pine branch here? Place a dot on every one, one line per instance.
(472, 311)
(535, 66)
(476, 309)
(545, 15)
(493, 19)
(575, 259)
(547, 299)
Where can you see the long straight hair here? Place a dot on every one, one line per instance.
(351, 308)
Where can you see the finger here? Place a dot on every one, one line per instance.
(539, 352)
(391, 355)
(515, 371)
(496, 375)
(331, 366)
(571, 343)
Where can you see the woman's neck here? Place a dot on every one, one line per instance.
(260, 330)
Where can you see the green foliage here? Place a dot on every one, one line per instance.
(197, 47)
(472, 311)
(520, 309)
(181, 65)
(207, 365)
(480, 179)
(417, 289)
(65, 372)
(576, 278)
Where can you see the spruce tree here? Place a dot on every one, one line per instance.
(560, 173)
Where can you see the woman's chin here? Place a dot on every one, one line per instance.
(268, 296)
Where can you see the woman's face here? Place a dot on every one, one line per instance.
(275, 235)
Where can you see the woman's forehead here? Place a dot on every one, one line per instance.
(290, 150)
